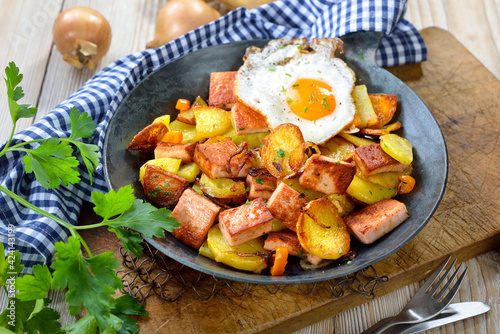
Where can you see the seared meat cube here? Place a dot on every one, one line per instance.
(371, 159)
(288, 238)
(247, 120)
(213, 159)
(221, 93)
(245, 222)
(375, 220)
(178, 151)
(195, 214)
(285, 204)
(260, 186)
(327, 175)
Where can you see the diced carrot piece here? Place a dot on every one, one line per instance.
(183, 105)
(174, 137)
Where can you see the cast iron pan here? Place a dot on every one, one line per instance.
(188, 77)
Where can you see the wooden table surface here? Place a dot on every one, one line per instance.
(26, 38)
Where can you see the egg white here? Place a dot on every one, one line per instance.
(262, 80)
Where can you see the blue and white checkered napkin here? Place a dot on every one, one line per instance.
(35, 235)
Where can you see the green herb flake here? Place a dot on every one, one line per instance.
(295, 85)
(281, 153)
(288, 74)
(305, 109)
(259, 180)
(361, 57)
(283, 89)
(289, 100)
(272, 70)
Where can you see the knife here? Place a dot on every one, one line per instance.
(454, 312)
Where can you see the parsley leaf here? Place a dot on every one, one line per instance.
(113, 203)
(32, 317)
(87, 324)
(259, 180)
(126, 305)
(14, 93)
(82, 126)
(34, 286)
(10, 266)
(90, 282)
(281, 153)
(53, 163)
(131, 240)
(146, 219)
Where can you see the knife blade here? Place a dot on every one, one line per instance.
(454, 312)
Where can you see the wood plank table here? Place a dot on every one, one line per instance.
(462, 94)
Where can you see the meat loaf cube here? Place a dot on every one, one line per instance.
(221, 94)
(245, 222)
(247, 120)
(371, 159)
(377, 219)
(178, 151)
(163, 188)
(260, 186)
(285, 204)
(195, 214)
(212, 158)
(288, 238)
(327, 175)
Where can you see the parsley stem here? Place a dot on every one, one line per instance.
(6, 147)
(44, 213)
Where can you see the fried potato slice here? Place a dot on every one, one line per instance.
(381, 131)
(240, 256)
(149, 137)
(338, 149)
(211, 121)
(321, 230)
(283, 152)
(364, 108)
(368, 192)
(384, 106)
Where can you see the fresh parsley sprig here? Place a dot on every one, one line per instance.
(90, 280)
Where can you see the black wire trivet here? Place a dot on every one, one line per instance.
(156, 274)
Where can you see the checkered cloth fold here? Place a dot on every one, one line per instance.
(100, 96)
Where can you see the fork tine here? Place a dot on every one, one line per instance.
(455, 288)
(450, 280)
(436, 287)
(423, 289)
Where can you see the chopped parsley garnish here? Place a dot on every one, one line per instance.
(283, 89)
(326, 185)
(288, 74)
(319, 71)
(281, 153)
(259, 180)
(241, 129)
(247, 202)
(305, 109)
(296, 85)
(325, 103)
(289, 100)
(361, 57)
(272, 69)
(302, 255)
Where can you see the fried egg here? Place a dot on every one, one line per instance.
(290, 81)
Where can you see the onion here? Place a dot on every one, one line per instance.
(82, 35)
(178, 17)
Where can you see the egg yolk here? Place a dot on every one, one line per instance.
(310, 99)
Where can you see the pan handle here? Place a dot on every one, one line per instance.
(362, 45)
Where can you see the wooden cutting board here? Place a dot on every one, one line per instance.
(464, 97)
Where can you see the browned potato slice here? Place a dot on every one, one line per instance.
(283, 152)
(321, 230)
(148, 138)
(381, 131)
(384, 106)
(163, 188)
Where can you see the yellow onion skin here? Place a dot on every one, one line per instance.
(178, 17)
(82, 35)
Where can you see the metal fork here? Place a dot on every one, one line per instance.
(426, 303)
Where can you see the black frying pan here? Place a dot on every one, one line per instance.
(188, 77)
